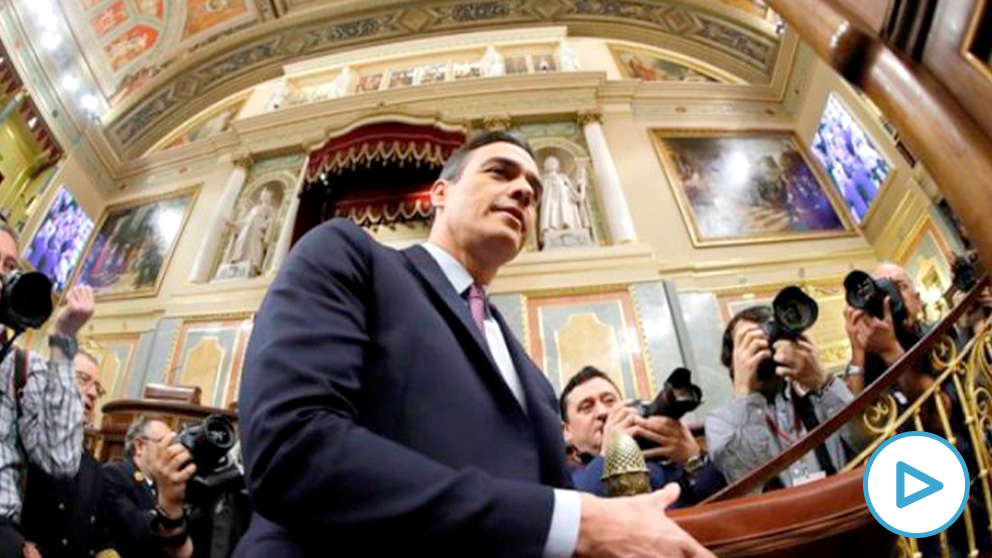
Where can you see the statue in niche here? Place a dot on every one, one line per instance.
(568, 59)
(564, 220)
(493, 64)
(245, 253)
(279, 95)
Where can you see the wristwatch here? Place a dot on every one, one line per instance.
(159, 521)
(695, 463)
(853, 370)
(69, 345)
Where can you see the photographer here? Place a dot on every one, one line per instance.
(591, 411)
(878, 342)
(40, 419)
(769, 414)
(145, 494)
(64, 517)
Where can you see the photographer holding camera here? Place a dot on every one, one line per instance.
(41, 420)
(591, 411)
(781, 392)
(146, 494)
(881, 318)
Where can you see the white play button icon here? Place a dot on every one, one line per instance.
(916, 484)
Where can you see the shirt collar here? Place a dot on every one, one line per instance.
(453, 270)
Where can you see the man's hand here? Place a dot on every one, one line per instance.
(635, 526)
(798, 362)
(852, 318)
(875, 336)
(30, 550)
(623, 418)
(750, 350)
(78, 309)
(171, 467)
(674, 440)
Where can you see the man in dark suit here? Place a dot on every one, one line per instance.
(144, 495)
(592, 411)
(387, 408)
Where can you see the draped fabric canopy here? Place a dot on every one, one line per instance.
(383, 144)
(375, 175)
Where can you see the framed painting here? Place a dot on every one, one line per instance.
(209, 353)
(130, 252)
(567, 331)
(855, 166)
(58, 243)
(370, 82)
(746, 187)
(645, 65)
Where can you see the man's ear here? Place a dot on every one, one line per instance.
(566, 432)
(439, 192)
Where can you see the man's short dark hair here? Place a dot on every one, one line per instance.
(581, 377)
(755, 314)
(453, 168)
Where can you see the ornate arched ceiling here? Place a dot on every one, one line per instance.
(218, 47)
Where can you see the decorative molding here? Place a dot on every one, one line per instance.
(591, 116)
(245, 58)
(497, 123)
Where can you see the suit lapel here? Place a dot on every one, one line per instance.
(457, 312)
(543, 418)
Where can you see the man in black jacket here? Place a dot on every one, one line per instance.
(145, 494)
(64, 516)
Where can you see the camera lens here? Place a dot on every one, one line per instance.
(26, 301)
(795, 310)
(859, 289)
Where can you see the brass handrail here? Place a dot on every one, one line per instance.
(757, 478)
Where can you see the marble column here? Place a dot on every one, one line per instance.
(289, 223)
(205, 258)
(621, 225)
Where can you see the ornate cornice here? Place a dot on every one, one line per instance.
(242, 60)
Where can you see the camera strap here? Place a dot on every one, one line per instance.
(804, 408)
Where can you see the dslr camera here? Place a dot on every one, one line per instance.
(965, 271)
(209, 444)
(793, 312)
(25, 300)
(678, 397)
(866, 293)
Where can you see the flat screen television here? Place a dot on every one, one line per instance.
(850, 159)
(58, 243)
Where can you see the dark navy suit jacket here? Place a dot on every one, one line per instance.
(374, 420)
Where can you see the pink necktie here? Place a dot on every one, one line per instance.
(477, 305)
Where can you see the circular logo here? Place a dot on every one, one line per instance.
(916, 484)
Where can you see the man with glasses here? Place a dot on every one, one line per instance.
(41, 410)
(145, 494)
(64, 517)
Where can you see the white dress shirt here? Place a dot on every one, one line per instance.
(563, 535)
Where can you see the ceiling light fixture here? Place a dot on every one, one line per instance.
(50, 40)
(89, 102)
(32, 122)
(70, 82)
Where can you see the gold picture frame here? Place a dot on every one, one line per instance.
(108, 254)
(817, 214)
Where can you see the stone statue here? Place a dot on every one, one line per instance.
(492, 63)
(245, 255)
(279, 94)
(568, 59)
(341, 83)
(563, 220)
